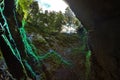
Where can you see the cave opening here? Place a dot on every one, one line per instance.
(30, 38)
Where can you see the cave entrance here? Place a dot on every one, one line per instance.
(57, 38)
(63, 32)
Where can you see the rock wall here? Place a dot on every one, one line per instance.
(102, 20)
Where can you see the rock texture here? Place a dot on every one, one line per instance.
(102, 20)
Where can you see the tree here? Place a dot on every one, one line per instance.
(48, 22)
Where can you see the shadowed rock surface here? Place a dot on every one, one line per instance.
(102, 20)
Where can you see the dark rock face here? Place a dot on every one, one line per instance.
(15, 68)
(102, 20)
(14, 65)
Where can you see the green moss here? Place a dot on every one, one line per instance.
(88, 64)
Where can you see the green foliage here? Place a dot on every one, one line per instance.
(47, 23)
(23, 7)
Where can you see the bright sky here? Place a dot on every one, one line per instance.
(53, 5)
